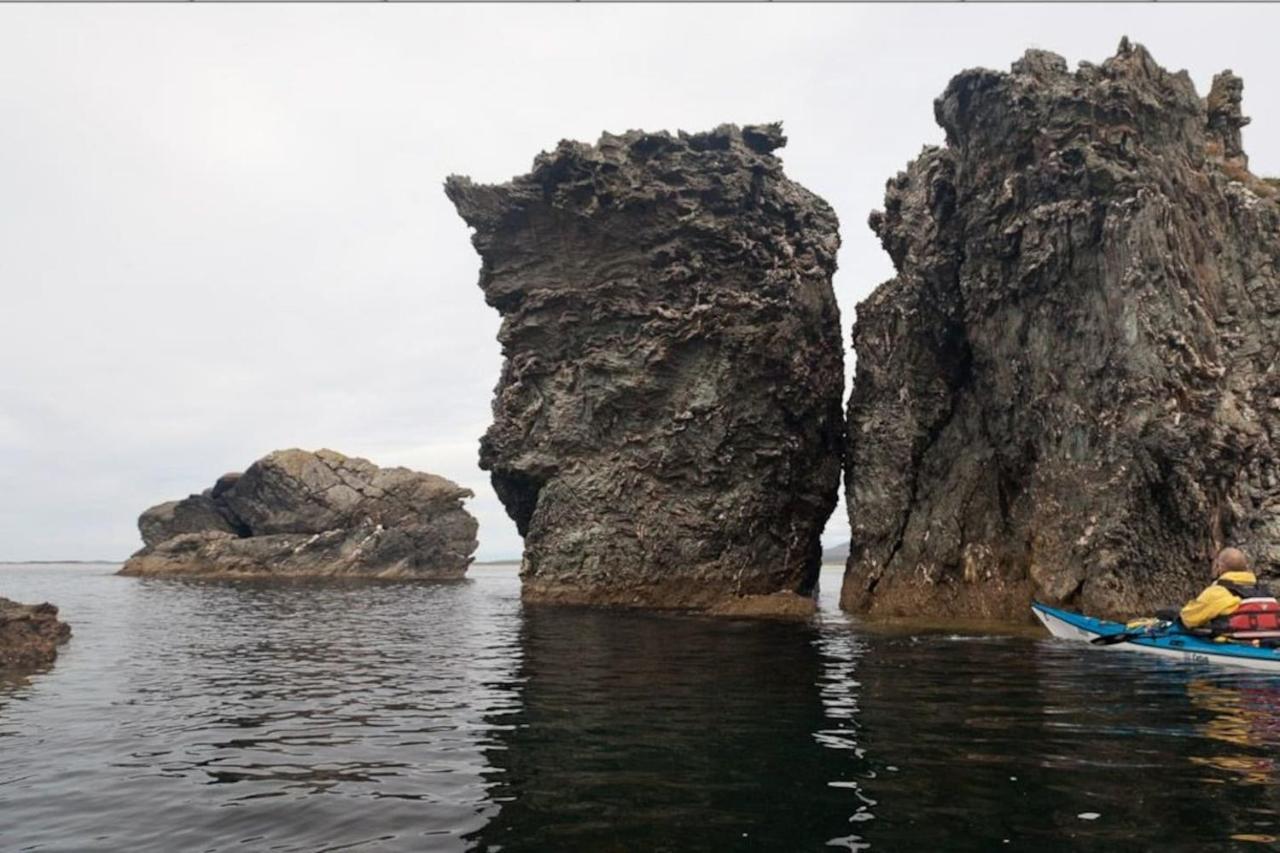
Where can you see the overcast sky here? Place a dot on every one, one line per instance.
(222, 229)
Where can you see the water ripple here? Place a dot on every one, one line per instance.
(249, 716)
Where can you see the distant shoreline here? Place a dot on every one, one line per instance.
(60, 562)
(826, 564)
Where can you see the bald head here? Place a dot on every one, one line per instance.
(1230, 560)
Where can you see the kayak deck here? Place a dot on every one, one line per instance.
(1174, 643)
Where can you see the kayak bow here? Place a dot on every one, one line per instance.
(1173, 643)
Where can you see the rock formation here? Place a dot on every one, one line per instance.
(1069, 390)
(300, 513)
(29, 634)
(667, 427)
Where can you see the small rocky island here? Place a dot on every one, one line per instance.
(29, 634)
(298, 513)
(1069, 391)
(668, 425)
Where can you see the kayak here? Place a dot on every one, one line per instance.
(1170, 642)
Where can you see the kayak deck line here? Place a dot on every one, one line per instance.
(1174, 644)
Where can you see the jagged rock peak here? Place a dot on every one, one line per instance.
(295, 512)
(1066, 392)
(636, 168)
(1225, 116)
(667, 426)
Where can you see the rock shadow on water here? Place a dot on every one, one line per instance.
(983, 743)
(1171, 754)
(646, 731)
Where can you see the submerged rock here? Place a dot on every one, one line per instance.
(1068, 391)
(667, 427)
(789, 606)
(29, 634)
(300, 513)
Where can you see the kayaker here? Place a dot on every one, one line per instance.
(1235, 606)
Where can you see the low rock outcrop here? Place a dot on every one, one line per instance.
(294, 512)
(667, 427)
(29, 634)
(1069, 390)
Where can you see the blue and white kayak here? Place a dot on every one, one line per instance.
(1172, 642)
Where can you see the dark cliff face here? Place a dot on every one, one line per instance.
(299, 513)
(667, 427)
(1068, 390)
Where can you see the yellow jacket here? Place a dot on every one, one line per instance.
(1216, 600)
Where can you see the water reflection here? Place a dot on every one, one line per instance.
(217, 716)
(1246, 718)
(978, 743)
(302, 717)
(651, 732)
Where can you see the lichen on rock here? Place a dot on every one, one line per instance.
(29, 635)
(667, 426)
(1068, 391)
(294, 512)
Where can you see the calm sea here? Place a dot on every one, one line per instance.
(222, 716)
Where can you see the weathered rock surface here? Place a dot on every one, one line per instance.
(1069, 390)
(300, 513)
(29, 634)
(667, 427)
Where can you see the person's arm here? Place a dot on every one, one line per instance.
(1206, 606)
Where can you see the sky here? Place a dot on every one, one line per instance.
(223, 230)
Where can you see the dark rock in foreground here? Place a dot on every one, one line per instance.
(1069, 391)
(300, 513)
(667, 428)
(29, 634)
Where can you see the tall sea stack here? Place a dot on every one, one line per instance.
(1069, 390)
(667, 428)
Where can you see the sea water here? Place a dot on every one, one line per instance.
(244, 716)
